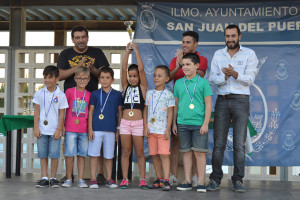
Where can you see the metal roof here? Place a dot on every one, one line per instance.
(110, 13)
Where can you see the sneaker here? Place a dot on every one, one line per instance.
(156, 184)
(63, 179)
(42, 183)
(54, 183)
(111, 184)
(201, 188)
(238, 187)
(143, 184)
(100, 179)
(173, 180)
(166, 186)
(185, 187)
(195, 181)
(124, 184)
(67, 183)
(212, 185)
(93, 184)
(82, 184)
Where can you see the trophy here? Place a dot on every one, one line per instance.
(27, 105)
(128, 25)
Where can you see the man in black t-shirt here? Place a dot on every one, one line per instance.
(80, 55)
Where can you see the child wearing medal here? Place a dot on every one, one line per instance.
(105, 114)
(131, 128)
(158, 117)
(76, 126)
(193, 99)
(50, 104)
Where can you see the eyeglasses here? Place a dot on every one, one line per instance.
(82, 79)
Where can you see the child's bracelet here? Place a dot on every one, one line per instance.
(118, 127)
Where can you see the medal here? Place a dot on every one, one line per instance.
(46, 113)
(78, 112)
(154, 108)
(191, 106)
(131, 113)
(152, 120)
(101, 116)
(76, 121)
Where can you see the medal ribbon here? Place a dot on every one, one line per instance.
(46, 114)
(153, 110)
(131, 103)
(191, 98)
(77, 114)
(105, 99)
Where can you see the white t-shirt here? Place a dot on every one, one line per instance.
(59, 101)
(162, 104)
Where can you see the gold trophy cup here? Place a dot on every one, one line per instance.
(128, 25)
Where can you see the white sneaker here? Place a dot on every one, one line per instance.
(195, 181)
(173, 180)
(82, 184)
(67, 183)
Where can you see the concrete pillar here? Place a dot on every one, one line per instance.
(17, 26)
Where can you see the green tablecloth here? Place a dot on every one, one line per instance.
(14, 122)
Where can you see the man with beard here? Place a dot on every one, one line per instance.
(189, 45)
(233, 70)
(82, 55)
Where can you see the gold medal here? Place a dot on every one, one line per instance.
(76, 121)
(131, 113)
(191, 106)
(101, 116)
(152, 120)
(46, 122)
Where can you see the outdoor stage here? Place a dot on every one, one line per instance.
(22, 187)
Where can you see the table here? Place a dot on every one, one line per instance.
(7, 124)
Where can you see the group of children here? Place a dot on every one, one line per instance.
(98, 119)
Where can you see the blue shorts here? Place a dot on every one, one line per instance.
(47, 147)
(76, 144)
(191, 139)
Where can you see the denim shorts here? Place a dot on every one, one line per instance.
(76, 144)
(191, 139)
(47, 147)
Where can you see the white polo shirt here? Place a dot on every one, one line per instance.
(59, 101)
(244, 62)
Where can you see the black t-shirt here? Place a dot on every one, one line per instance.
(69, 58)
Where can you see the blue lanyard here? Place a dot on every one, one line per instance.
(153, 110)
(191, 98)
(105, 100)
(46, 114)
(77, 114)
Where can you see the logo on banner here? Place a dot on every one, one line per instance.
(288, 138)
(281, 70)
(147, 19)
(149, 64)
(261, 62)
(295, 105)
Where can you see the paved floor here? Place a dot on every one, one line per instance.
(23, 188)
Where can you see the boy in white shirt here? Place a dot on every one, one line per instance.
(50, 104)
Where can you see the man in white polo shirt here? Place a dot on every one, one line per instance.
(233, 71)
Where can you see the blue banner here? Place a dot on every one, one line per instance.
(271, 30)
